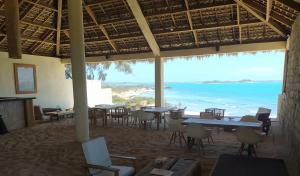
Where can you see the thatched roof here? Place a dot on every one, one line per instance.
(175, 24)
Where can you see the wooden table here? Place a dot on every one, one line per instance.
(180, 167)
(59, 114)
(158, 111)
(106, 108)
(236, 165)
(220, 123)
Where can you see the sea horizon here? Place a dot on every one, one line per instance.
(238, 98)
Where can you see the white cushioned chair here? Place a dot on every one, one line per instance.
(247, 135)
(177, 129)
(197, 133)
(99, 160)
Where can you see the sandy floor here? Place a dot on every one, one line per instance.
(50, 148)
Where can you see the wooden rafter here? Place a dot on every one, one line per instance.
(212, 27)
(239, 22)
(143, 24)
(58, 26)
(276, 29)
(268, 9)
(101, 27)
(12, 29)
(191, 22)
(40, 5)
(42, 42)
(262, 10)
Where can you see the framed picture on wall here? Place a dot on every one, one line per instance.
(25, 78)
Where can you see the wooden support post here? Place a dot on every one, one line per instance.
(12, 28)
(78, 69)
(159, 81)
(58, 26)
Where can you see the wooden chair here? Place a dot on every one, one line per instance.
(39, 115)
(120, 114)
(99, 160)
(206, 115)
(217, 113)
(263, 115)
(177, 114)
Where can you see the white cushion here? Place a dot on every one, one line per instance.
(124, 171)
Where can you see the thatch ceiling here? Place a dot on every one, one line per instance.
(211, 23)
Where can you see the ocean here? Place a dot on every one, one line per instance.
(237, 98)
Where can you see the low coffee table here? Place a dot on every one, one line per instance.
(236, 165)
(179, 167)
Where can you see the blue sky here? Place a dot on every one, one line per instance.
(259, 66)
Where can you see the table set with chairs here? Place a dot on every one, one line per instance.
(188, 130)
(121, 115)
(249, 130)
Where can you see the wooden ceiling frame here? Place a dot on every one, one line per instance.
(239, 22)
(58, 26)
(101, 27)
(272, 26)
(144, 26)
(231, 25)
(268, 9)
(189, 16)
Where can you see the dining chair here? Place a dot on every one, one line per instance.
(120, 114)
(177, 113)
(248, 136)
(249, 118)
(99, 161)
(145, 119)
(263, 115)
(196, 134)
(177, 130)
(206, 115)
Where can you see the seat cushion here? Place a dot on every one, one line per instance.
(124, 171)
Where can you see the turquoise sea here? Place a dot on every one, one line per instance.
(237, 98)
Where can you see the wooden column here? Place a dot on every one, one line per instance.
(78, 69)
(159, 81)
(29, 112)
(12, 29)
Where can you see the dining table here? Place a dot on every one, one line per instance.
(158, 114)
(60, 114)
(105, 108)
(226, 122)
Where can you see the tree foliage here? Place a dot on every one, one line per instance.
(98, 71)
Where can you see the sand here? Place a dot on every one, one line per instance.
(51, 149)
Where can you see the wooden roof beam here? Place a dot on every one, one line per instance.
(160, 14)
(38, 25)
(12, 29)
(212, 27)
(268, 9)
(143, 24)
(40, 5)
(252, 47)
(101, 27)
(42, 42)
(191, 22)
(239, 22)
(58, 26)
(276, 29)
